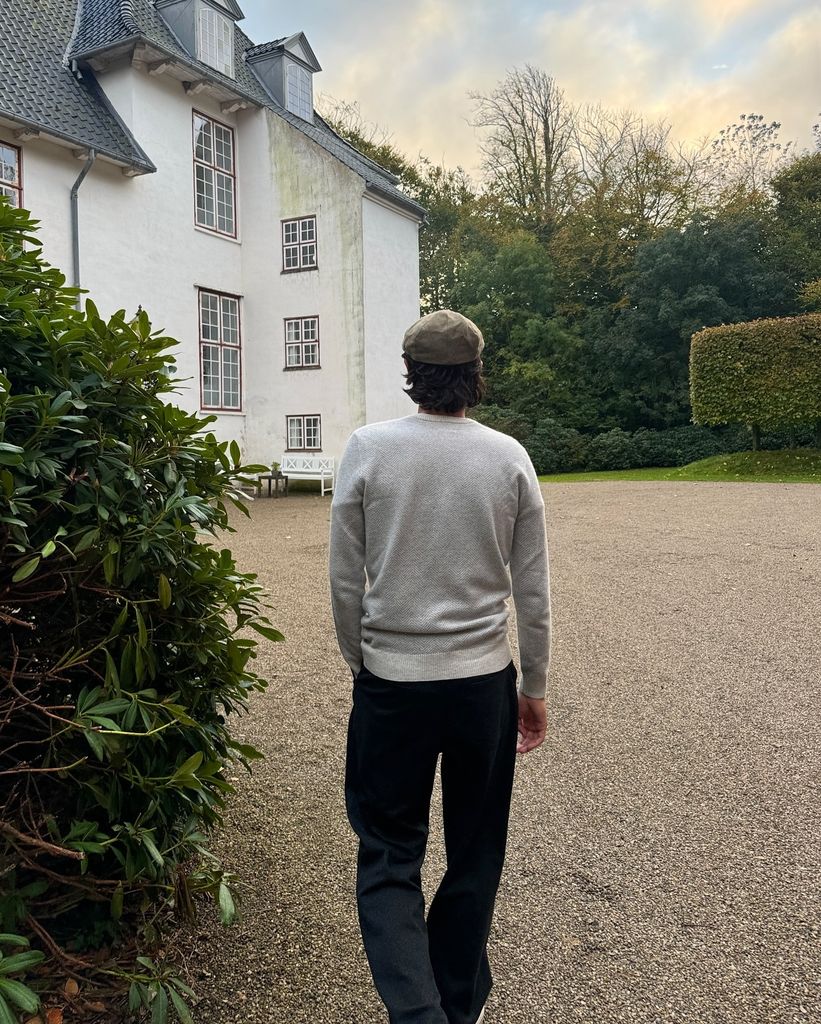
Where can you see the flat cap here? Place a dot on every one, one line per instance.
(443, 338)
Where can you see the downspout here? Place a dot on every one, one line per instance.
(75, 217)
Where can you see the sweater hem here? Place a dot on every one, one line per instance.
(420, 668)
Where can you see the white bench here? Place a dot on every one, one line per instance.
(309, 467)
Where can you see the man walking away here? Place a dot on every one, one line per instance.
(436, 519)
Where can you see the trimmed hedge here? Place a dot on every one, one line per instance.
(765, 373)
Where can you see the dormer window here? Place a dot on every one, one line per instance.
(286, 68)
(215, 40)
(300, 100)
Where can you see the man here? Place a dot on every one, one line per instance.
(440, 515)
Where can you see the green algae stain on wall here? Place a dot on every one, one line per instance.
(307, 180)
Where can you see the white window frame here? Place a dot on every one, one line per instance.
(215, 175)
(299, 98)
(217, 336)
(299, 244)
(11, 185)
(215, 40)
(296, 429)
(302, 343)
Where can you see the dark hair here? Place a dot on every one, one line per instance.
(445, 388)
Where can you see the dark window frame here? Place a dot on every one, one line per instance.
(302, 365)
(299, 221)
(215, 169)
(220, 345)
(7, 184)
(303, 417)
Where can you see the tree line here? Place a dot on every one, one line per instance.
(595, 245)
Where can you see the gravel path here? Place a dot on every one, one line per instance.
(665, 844)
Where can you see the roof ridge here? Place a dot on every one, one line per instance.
(129, 18)
(78, 17)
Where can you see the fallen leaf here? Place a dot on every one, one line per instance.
(72, 988)
(54, 1015)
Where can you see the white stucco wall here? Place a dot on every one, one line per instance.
(300, 179)
(391, 305)
(139, 246)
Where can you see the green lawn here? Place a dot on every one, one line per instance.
(799, 466)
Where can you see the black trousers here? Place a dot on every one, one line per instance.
(433, 972)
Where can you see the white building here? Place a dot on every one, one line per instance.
(208, 191)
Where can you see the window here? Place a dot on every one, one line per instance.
(220, 351)
(299, 244)
(304, 433)
(302, 342)
(214, 176)
(216, 40)
(10, 184)
(299, 98)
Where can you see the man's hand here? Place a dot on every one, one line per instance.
(532, 723)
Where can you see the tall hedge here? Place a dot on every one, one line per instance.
(123, 641)
(766, 373)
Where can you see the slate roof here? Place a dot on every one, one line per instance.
(261, 48)
(38, 90)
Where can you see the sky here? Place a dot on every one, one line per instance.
(696, 63)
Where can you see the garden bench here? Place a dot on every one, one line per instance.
(309, 467)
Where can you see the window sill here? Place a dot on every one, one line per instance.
(290, 369)
(221, 412)
(304, 451)
(217, 234)
(299, 270)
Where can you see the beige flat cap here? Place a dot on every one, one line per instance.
(443, 338)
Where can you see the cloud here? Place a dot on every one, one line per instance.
(698, 65)
(781, 80)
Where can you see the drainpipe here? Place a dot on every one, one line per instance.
(75, 217)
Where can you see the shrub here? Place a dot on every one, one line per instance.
(677, 446)
(614, 449)
(122, 627)
(504, 420)
(554, 448)
(766, 373)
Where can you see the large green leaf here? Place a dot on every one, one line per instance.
(20, 961)
(19, 994)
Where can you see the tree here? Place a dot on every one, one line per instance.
(717, 269)
(530, 355)
(748, 154)
(797, 227)
(528, 147)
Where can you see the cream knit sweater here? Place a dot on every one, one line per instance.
(441, 514)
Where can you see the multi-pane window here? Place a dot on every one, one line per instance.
(220, 351)
(216, 40)
(304, 433)
(299, 244)
(302, 342)
(214, 176)
(300, 99)
(10, 184)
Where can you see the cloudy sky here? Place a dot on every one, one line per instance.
(701, 63)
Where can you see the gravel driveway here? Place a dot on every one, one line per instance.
(665, 844)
